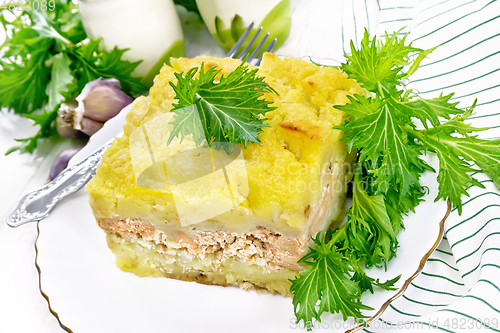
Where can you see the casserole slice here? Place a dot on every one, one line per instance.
(244, 219)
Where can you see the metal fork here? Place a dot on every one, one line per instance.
(37, 205)
(241, 40)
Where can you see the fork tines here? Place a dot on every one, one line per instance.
(243, 54)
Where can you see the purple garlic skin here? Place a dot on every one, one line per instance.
(100, 100)
(90, 126)
(62, 160)
(103, 102)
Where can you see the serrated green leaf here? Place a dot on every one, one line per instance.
(27, 145)
(339, 293)
(46, 122)
(457, 124)
(457, 152)
(373, 65)
(421, 56)
(429, 110)
(370, 208)
(485, 153)
(306, 292)
(41, 52)
(67, 20)
(230, 110)
(60, 81)
(327, 282)
(389, 284)
(366, 282)
(90, 63)
(380, 133)
(188, 116)
(370, 234)
(380, 125)
(454, 174)
(395, 49)
(45, 28)
(22, 86)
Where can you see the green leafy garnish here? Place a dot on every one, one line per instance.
(460, 156)
(47, 59)
(381, 126)
(230, 110)
(329, 279)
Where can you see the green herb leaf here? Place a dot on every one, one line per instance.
(45, 121)
(377, 128)
(366, 282)
(231, 110)
(22, 86)
(421, 56)
(47, 59)
(429, 110)
(457, 151)
(46, 29)
(90, 63)
(370, 233)
(329, 281)
(61, 80)
(374, 63)
(386, 185)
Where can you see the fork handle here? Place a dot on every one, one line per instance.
(38, 204)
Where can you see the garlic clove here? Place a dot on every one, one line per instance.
(100, 100)
(62, 161)
(90, 126)
(104, 102)
(66, 129)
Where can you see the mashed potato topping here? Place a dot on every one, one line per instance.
(284, 173)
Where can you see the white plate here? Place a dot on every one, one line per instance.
(90, 294)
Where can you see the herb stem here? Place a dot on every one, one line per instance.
(338, 233)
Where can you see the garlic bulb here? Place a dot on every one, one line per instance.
(64, 121)
(99, 101)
